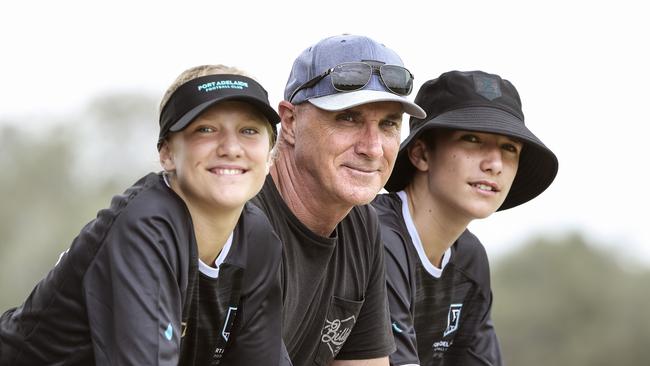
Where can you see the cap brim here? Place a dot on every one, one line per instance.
(260, 105)
(341, 101)
(538, 165)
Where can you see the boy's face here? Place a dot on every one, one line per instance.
(470, 173)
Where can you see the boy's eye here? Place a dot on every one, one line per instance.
(470, 138)
(510, 148)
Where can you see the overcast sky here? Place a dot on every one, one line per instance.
(581, 68)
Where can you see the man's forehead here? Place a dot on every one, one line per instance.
(389, 108)
(393, 110)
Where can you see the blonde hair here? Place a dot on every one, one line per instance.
(205, 70)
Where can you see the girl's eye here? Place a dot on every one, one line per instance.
(205, 129)
(250, 131)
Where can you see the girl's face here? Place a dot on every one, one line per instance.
(221, 159)
(470, 173)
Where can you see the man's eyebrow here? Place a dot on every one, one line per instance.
(353, 112)
(393, 116)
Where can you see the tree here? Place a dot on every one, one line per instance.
(54, 180)
(564, 302)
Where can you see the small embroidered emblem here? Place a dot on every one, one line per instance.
(487, 86)
(453, 318)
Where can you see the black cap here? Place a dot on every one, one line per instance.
(196, 95)
(481, 102)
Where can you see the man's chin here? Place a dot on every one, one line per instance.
(362, 195)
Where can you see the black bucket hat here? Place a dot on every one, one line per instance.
(481, 102)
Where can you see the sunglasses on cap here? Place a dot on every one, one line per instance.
(351, 76)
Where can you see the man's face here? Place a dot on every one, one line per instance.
(347, 156)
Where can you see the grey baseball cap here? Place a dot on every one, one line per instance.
(336, 50)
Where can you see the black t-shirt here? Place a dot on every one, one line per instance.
(127, 292)
(441, 320)
(334, 293)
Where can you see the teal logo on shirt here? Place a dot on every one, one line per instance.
(396, 328)
(169, 332)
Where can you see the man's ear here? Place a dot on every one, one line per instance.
(166, 157)
(270, 160)
(287, 112)
(418, 155)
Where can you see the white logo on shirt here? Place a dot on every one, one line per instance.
(336, 332)
(227, 324)
(453, 318)
(441, 347)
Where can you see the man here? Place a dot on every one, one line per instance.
(340, 133)
(472, 156)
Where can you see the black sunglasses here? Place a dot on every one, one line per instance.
(352, 76)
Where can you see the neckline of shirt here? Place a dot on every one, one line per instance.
(328, 242)
(417, 243)
(212, 272)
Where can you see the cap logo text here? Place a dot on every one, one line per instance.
(223, 84)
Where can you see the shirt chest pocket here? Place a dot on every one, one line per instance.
(342, 314)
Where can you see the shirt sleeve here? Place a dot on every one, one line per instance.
(133, 295)
(399, 291)
(371, 336)
(485, 348)
(259, 338)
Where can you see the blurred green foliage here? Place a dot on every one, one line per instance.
(54, 178)
(563, 301)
